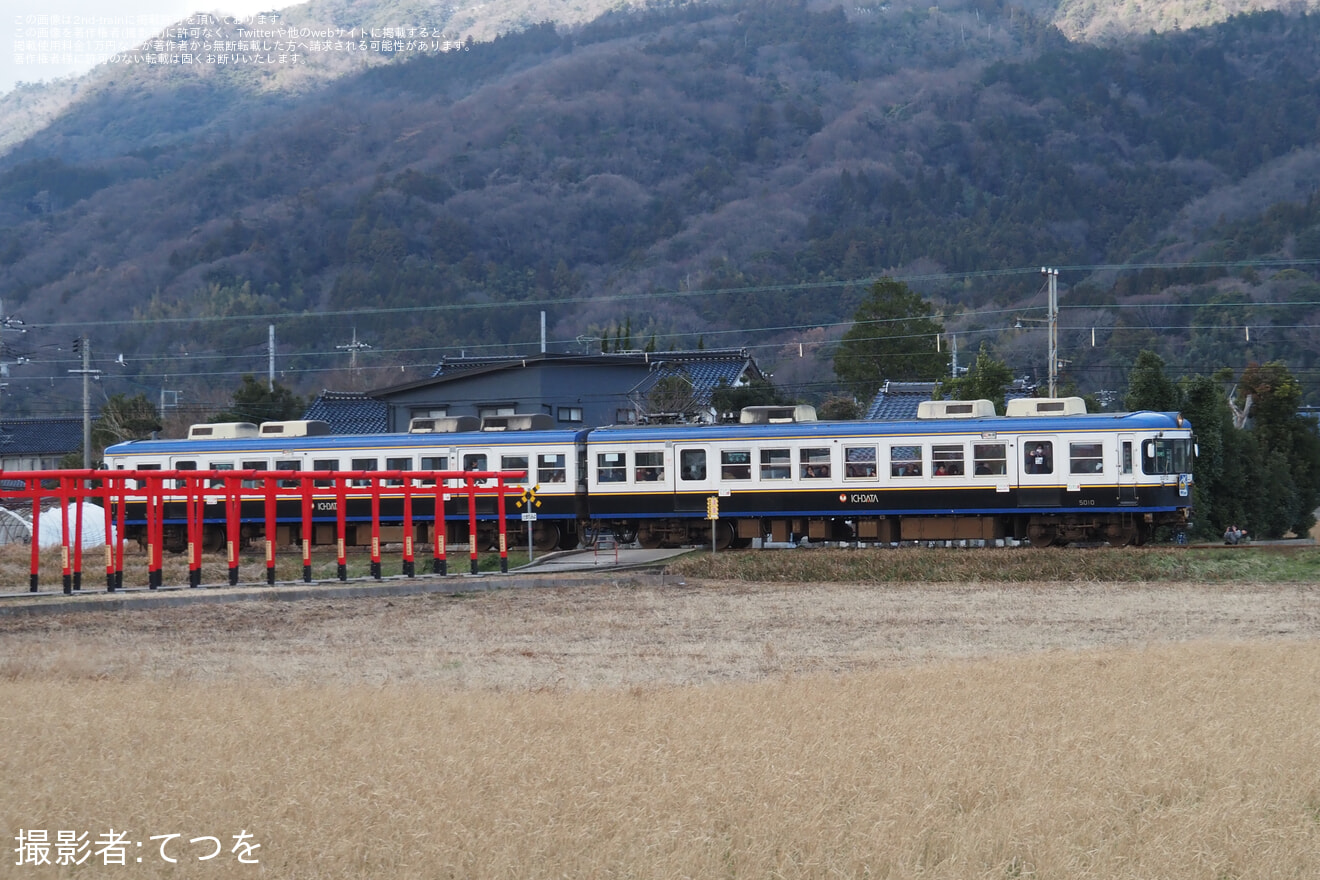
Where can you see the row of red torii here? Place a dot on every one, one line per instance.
(116, 490)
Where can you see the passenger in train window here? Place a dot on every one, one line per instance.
(1038, 460)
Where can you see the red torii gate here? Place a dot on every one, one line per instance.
(117, 490)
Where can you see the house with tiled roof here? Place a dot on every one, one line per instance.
(898, 401)
(575, 390)
(350, 412)
(38, 444)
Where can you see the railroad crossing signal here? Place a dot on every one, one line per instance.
(529, 498)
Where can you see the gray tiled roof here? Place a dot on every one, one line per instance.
(350, 412)
(898, 400)
(705, 376)
(703, 366)
(40, 436)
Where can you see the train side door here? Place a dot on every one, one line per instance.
(1040, 478)
(1127, 469)
(697, 477)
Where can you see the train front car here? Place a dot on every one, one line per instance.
(551, 458)
(1047, 473)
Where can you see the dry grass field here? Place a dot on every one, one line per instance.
(1059, 729)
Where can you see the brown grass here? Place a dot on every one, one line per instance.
(1050, 730)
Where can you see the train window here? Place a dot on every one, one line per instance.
(905, 461)
(650, 467)
(252, 466)
(1038, 457)
(735, 464)
(514, 463)
(551, 469)
(324, 464)
(692, 464)
(363, 464)
(989, 459)
(432, 463)
(815, 463)
(219, 466)
(947, 460)
(1166, 456)
(1125, 458)
(1085, 458)
(183, 466)
(288, 464)
(397, 464)
(142, 484)
(858, 462)
(776, 464)
(611, 467)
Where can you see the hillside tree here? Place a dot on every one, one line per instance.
(894, 336)
(256, 402)
(986, 379)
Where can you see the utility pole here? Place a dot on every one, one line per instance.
(1053, 275)
(13, 325)
(353, 348)
(83, 345)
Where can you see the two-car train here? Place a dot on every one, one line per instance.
(1047, 473)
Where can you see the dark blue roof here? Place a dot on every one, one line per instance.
(898, 400)
(40, 436)
(705, 375)
(349, 412)
(705, 368)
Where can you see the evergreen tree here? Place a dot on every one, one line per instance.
(986, 379)
(893, 337)
(124, 418)
(1149, 388)
(255, 402)
(1290, 444)
(729, 400)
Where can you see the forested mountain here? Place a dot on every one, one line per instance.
(729, 174)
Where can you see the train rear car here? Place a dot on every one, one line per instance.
(551, 458)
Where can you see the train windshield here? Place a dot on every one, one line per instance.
(1166, 456)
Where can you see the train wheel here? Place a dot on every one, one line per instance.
(176, 541)
(213, 539)
(1120, 536)
(546, 536)
(724, 535)
(1041, 535)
